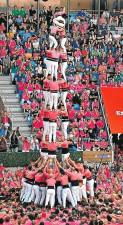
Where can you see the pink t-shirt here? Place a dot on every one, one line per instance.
(28, 222)
(100, 124)
(26, 146)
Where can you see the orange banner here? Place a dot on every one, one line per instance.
(113, 103)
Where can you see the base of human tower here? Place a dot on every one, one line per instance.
(48, 183)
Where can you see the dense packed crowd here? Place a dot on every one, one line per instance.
(58, 89)
(94, 58)
(106, 207)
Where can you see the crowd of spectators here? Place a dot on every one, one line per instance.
(94, 59)
(107, 207)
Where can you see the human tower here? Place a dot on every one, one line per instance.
(48, 181)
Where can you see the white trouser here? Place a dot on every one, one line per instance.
(75, 193)
(28, 192)
(53, 156)
(50, 197)
(66, 194)
(52, 68)
(64, 128)
(36, 194)
(23, 189)
(52, 131)
(48, 66)
(62, 42)
(63, 98)
(46, 129)
(46, 97)
(59, 194)
(44, 155)
(54, 100)
(32, 196)
(43, 195)
(90, 184)
(53, 42)
(82, 192)
(63, 69)
(24, 193)
(65, 156)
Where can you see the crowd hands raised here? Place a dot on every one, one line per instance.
(49, 192)
(61, 72)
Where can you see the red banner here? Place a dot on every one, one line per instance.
(113, 103)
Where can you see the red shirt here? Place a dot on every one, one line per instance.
(30, 87)
(25, 96)
(88, 173)
(103, 144)
(1, 171)
(37, 86)
(18, 62)
(21, 52)
(26, 145)
(12, 44)
(21, 86)
(95, 114)
(73, 175)
(44, 145)
(51, 181)
(3, 53)
(71, 114)
(64, 180)
(63, 56)
(46, 114)
(81, 124)
(52, 146)
(48, 53)
(46, 84)
(88, 145)
(37, 123)
(53, 54)
(84, 53)
(39, 177)
(64, 144)
(53, 115)
(2, 43)
(30, 174)
(87, 114)
(5, 119)
(100, 124)
(64, 113)
(91, 124)
(54, 86)
(64, 85)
